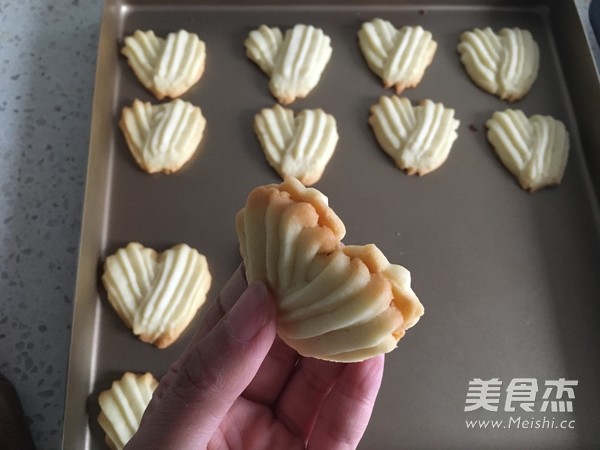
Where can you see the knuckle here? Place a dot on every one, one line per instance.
(196, 377)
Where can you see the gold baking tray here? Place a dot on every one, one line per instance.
(509, 280)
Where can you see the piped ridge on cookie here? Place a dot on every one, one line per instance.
(162, 138)
(167, 67)
(294, 61)
(122, 407)
(398, 56)
(504, 64)
(299, 145)
(418, 138)
(156, 295)
(535, 150)
(262, 47)
(335, 302)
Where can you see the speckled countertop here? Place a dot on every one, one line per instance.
(47, 66)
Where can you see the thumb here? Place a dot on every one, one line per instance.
(215, 372)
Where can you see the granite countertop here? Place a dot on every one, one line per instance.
(48, 51)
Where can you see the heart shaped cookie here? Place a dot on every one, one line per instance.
(162, 138)
(398, 57)
(504, 64)
(418, 138)
(299, 146)
(294, 62)
(335, 302)
(534, 150)
(167, 67)
(156, 295)
(123, 405)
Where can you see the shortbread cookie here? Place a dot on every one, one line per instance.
(167, 67)
(335, 302)
(123, 405)
(418, 138)
(162, 138)
(534, 150)
(299, 146)
(398, 57)
(294, 61)
(504, 64)
(156, 295)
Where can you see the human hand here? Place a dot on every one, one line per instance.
(238, 386)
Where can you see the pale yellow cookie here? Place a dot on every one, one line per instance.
(167, 67)
(299, 145)
(162, 138)
(123, 405)
(535, 150)
(504, 64)
(156, 295)
(398, 56)
(335, 302)
(294, 61)
(418, 138)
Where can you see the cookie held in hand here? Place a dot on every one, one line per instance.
(418, 138)
(335, 302)
(398, 56)
(504, 64)
(123, 405)
(535, 150)
(167, 67)
(294, 61)
(156, 295)
(298, 146)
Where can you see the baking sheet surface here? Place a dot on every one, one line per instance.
(509, 280)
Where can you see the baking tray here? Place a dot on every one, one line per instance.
(509, 280)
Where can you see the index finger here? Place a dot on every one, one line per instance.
(223, 303)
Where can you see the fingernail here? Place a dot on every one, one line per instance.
(250, 313)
